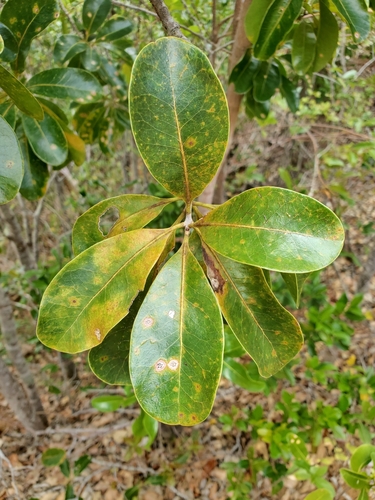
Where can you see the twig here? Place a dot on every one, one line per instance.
(69, 18)
(195, 19)
(171, 27)
(124, 466)
(342, 129)
(88, 430)
(364, 67)
(221, 47)
(134, 7)
(6, 459)
(316, 173)
(25, 221)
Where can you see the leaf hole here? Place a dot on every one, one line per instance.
(108, 220)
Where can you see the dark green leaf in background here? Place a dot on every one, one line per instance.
(26, 19)
(66, 83)
(63, 45)
(115, 28)
(134, 212)
(304, 47)
(295, 282)
(11, 164)
(36, 175)
(266, 80)
(255, 17)
(86, 120)
(255, 109)
(19, 94)
(356, 480)
(237, 374)
(8, 112)
(75, 49)
(276, 229)
(10, 47)
(53, 457)
(176, 349)
(91, 59)
(243, 74)
(356, 15)
(46, 139)
(189, 129)
(94, 13)
(327, 38)
(290, 93)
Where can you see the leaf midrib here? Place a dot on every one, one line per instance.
(272, 31)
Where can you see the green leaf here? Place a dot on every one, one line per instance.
(304, 47)
(46, 139)
(266, 81)
(144, 426)
(86, 120)
(363, 495)
(115, 28)
(327, 38)
(111, 75)
(232, 349)
(274, 228)
(297, 446)
(63, 46)
(111, 403)
(92, 293)
(295, 282)
(66, 83)
(275, 25)
(26, 19)
(11, 164)
(256, 109)
(176, 348)
(75, 49)
(10, 44)
(65, 469)
(267, 331)
(356, 15)
(81, 464)
(134, 212)
(355, 480)
(236, 373)
(91, 60)
(8, 112)
(2, 46)
(361, 457)
(53, 457)
(94, 13)
(36, 175)
(244, 72)
(19, 94)
(255, 17)
(290, 93)
(320, 494)
(189, 129)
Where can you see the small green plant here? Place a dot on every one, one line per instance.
(168, 341)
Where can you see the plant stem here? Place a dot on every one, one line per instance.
(204, 205)
(171, 27)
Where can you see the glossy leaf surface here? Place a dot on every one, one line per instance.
(327, 38)
(355, 480)
(266, 81)
(114, 29)
(178, 106)
(36, 174)
(254, 18)
(295, 282)
(92, 293)
(19, 94)
(276, 229)
(26, 19)
(276, 23)
(243, 74)
(176, 349)
(66, 83)
(91, 59)
(304, 47)
(356, 15)
(63, 45)
(46, 139)
(361, 457)
(267, 331)
(11, 164)
(134, 212)
(94, 13)
(10, 44)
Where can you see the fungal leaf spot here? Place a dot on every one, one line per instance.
(160, 365)
(97, 333)
(173, 364)
(147, 322)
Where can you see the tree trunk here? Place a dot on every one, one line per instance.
(240, 45)
(13, 348)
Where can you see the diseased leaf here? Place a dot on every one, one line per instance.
(243, 74)
(189, 128)
(295, 282)
(134, 212)
(304, 47)
(92, 293)
(356, 15)
(267, 331)
(11, 164)
(237, 374)
(266, 81)
(275, 25)
(290, 93)
(19, 94)
(9, 45)
(115, 28)
(327, 38)
(232, 349)
(63, 45)
(276, 229)
(86, 119)
(111, 74)
(94, 13)
(27, 19)
(91, 59)
(46, 139)
(8, 112)
(66, 83)
(176, 348)
(36, 175)
(75, 49)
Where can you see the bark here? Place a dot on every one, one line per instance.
(240, 45)
(14, 351)
(171, 27)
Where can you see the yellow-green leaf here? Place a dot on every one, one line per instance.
(11, 164)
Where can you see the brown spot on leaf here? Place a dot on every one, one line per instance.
(9, 164)
(191, 142)
(216, 279)
(103, 358)
(197, 387)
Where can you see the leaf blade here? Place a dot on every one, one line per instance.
(356, 15)
(11, 163)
